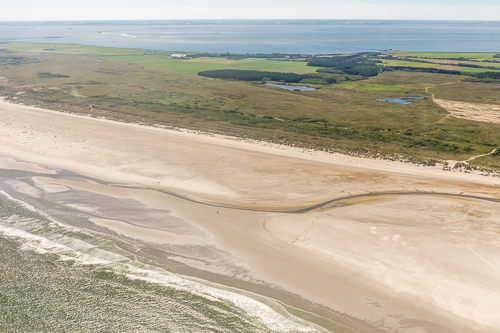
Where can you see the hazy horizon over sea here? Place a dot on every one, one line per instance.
(265, 36)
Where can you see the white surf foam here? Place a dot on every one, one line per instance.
(56, 238)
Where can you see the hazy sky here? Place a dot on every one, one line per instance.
(36, 10)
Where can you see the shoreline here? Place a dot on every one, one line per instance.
(293, 299)
(335, 158)
(287, 251)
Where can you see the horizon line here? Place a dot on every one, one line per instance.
(257, 19)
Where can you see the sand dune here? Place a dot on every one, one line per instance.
(479, 112)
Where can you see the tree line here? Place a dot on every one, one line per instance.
(360, 64)
(356, 64)
(251, 75)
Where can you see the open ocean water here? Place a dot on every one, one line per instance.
(311, 37)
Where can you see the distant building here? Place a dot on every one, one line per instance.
(178, 56)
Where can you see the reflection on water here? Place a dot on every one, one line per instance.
(401, 100)
(292, 88)
(395, 100)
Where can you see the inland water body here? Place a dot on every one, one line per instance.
(295, 37)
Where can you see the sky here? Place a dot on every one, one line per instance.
(60, 10)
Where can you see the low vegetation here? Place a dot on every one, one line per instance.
(47, 75)
(342, 117)
(6, 60)
(245, 75)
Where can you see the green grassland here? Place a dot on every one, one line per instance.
(160, 59)
(391, 62)
(340, 117)
(489, 64)
(73, 49)
(470, 92)
(395, 62)
(193, 66)
(443, 55)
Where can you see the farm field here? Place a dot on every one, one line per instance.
(442, 55)
(439, 65)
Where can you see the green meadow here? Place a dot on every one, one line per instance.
(161, 59)
(391, 62)
(193, 66)
(443, 55)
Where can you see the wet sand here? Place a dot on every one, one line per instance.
(388, 263)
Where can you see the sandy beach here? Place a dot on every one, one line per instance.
(408, 255)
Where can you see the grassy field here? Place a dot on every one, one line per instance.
(444, 62)
(441, 66)
(193, 66)
(160, 59)
(341, 117)
(470, 92)
(69, 49)
(443, 55)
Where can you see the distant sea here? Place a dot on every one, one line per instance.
(265, 36)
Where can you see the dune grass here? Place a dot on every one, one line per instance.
(345, 117)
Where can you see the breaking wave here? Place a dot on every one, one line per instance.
(105, 278)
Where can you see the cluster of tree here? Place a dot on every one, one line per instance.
(458, 64)
(488, 75)
(356, 64)
(496, 56)
(419, 60)
(239, 56)
(250, 75)
(15, 60)
(474, 66)
(425, 70)
(459, 58)
(47, 75)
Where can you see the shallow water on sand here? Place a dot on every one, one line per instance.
(60, 278)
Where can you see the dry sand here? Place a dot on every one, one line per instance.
(401, 263)
(479, 112)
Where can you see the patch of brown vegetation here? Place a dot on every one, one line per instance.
(211, 60)
(478, 112)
